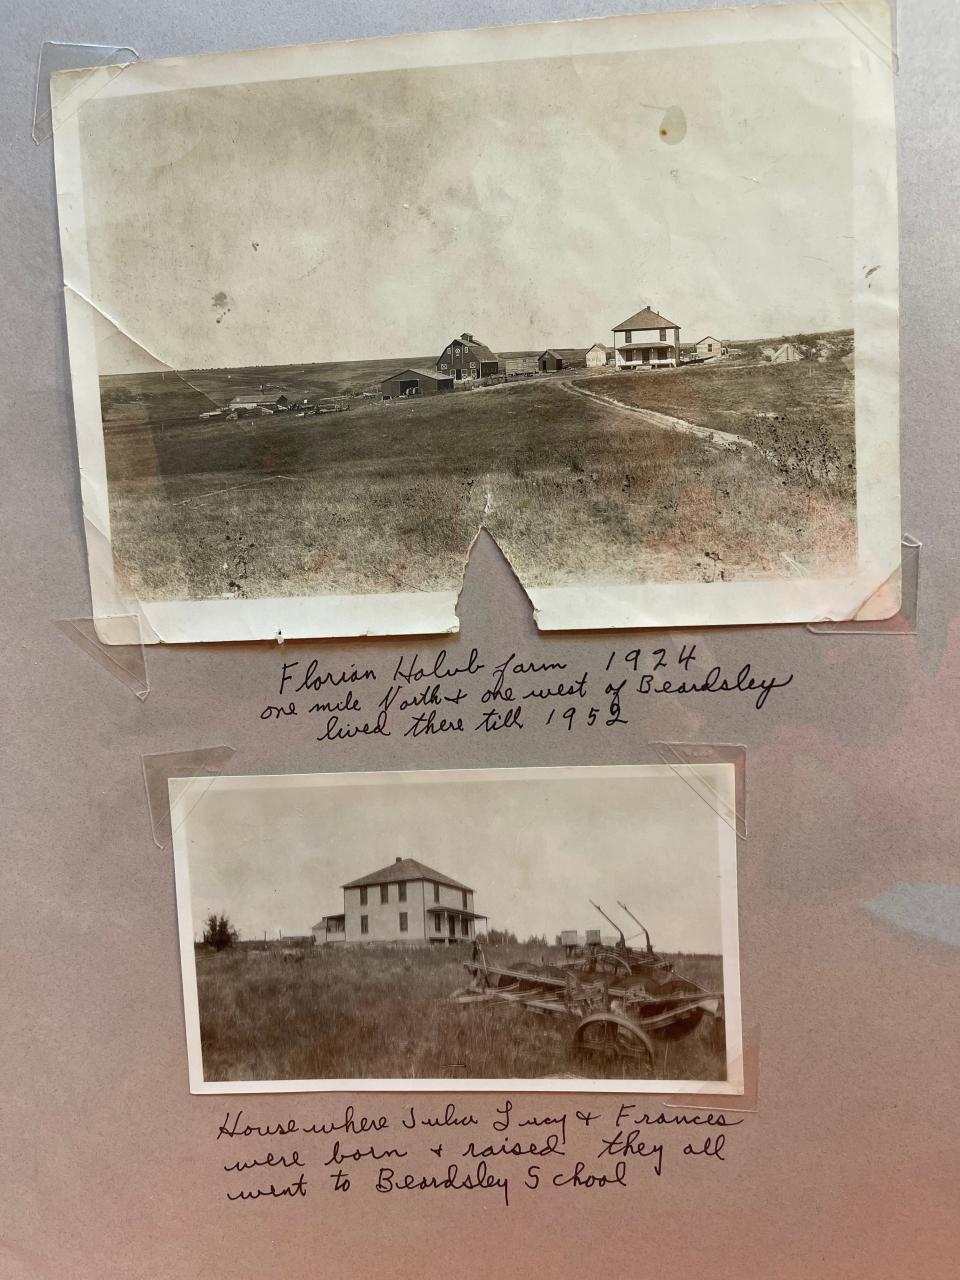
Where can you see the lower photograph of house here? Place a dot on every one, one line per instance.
(547, 927)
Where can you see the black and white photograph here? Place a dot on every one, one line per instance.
(620, 292)
(565, 928)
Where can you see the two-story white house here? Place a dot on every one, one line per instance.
(646, 340)
(404, 902)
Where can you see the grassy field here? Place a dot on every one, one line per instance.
(383, 1012)
(388, 496)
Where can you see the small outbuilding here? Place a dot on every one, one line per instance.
(521, 366)
(556, 358)
(596, 357)
(415, 382)
(709, 348)
(259, 403)
(786, 354)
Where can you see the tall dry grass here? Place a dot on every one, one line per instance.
(385, 1013)
(387, 497)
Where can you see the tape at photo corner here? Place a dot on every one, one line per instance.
(201, 765)
(876, 26)
(687, 759)
(122, 655)
(93, 65)
(898, 597)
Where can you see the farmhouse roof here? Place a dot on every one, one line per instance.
(405, 869)
(469, 341)
(432, 374)
(646, 319)
(706, 338)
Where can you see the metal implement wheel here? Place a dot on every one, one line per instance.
(611, 1039)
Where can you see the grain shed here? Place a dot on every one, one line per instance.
(415, 382)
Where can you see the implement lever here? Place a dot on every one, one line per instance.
(637, 922)
(623, 941)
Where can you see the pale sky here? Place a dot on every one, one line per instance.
(533, 203)
(273, 853)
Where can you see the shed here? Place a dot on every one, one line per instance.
(415, 382)
(519, 366)
(786, 354)
(260, 402)
(596, 357)
(709, 348)
(556, 358)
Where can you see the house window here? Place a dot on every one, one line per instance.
(436, 892)
(437, 921)
(403, 922)
(364, 924)
(628, 336)
(663, 335)
(384, 893)
(464, 895)
(464, 927)
(402, 891)
(709, 346)
(363, 896)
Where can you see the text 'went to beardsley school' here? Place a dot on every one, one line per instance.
(419, 697)
(598, 1147)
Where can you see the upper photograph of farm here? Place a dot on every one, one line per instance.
(345, 321)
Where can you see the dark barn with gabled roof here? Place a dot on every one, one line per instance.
(415, 382)
(465, 359)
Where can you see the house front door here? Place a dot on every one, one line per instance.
(645, 355)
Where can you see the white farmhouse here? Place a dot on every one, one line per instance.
(646, 340)
(405, 902)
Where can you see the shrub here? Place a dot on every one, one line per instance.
(219, 933)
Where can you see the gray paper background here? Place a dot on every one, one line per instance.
(850, 1166)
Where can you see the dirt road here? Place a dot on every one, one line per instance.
(721, 439)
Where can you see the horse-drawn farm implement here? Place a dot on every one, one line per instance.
(622, 1000)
